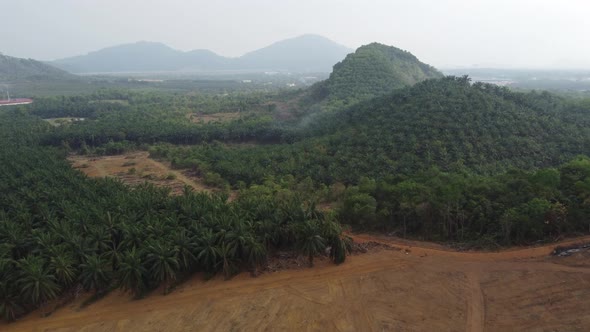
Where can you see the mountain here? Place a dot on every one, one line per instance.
(374, 70)
(307, 53)
(17, 69)
(138, 57)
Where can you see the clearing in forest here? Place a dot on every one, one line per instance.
(396, 286)
(137, 168)
(213, 117)
(56, 122)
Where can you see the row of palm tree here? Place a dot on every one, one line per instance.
(60, 230)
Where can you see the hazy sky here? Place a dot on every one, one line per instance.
(444, 33)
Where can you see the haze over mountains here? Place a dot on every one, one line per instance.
(306, 53)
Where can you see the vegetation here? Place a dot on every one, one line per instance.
(440, 159)
(443, 160)
(27, 69)
(373, 70)
(59, 229)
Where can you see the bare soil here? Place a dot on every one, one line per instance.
(56, 122)
(137, 168)
(213, 117)
(412, 287)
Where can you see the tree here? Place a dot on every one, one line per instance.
(131, 273)
(63, 266)
(94, 273)
(309, 240)
(36, 283)
(161, 260)
(256, 254)
(207, 253)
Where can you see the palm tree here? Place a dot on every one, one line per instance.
(185, 245)
(113, 254)
(162, 262)
(94, 273)
(227, 253)
(36, 283)
(131, 272)
(239, 236)
(309, 240)
(332, 232)
(10, 301)
(63, 266)
(256, 254)
(207, 254)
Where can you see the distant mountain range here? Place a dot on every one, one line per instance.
(307, 53)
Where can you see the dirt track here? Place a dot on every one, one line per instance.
(422, 287)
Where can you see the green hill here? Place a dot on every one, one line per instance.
(451, 123)
(374, 70)
(17, 69)
(446, 123)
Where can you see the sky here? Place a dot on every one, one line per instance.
(444, 33)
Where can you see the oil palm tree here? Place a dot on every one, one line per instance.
(185, 245)
(36, 283)
(228, 259)
(63, 267)
(10, 301)
(309, 240)
(257, 254)
(132, 273)
(95, 273)
(161, 260)
(206, 251)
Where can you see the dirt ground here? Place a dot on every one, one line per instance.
(416, 287)
(137, 168)
(213, 117)
(56, 122)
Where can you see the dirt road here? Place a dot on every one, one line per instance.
(421, 287)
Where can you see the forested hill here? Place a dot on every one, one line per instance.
(450, 122)
(373, 70)
(16, 69)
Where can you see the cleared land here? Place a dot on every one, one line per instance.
(414, 287)
(213, 117)
(56, 122)
(137, 168)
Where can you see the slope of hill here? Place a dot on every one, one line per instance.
(17, 69)
(301, 54)
(451, 123)
(445, 123)
(374, 70)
